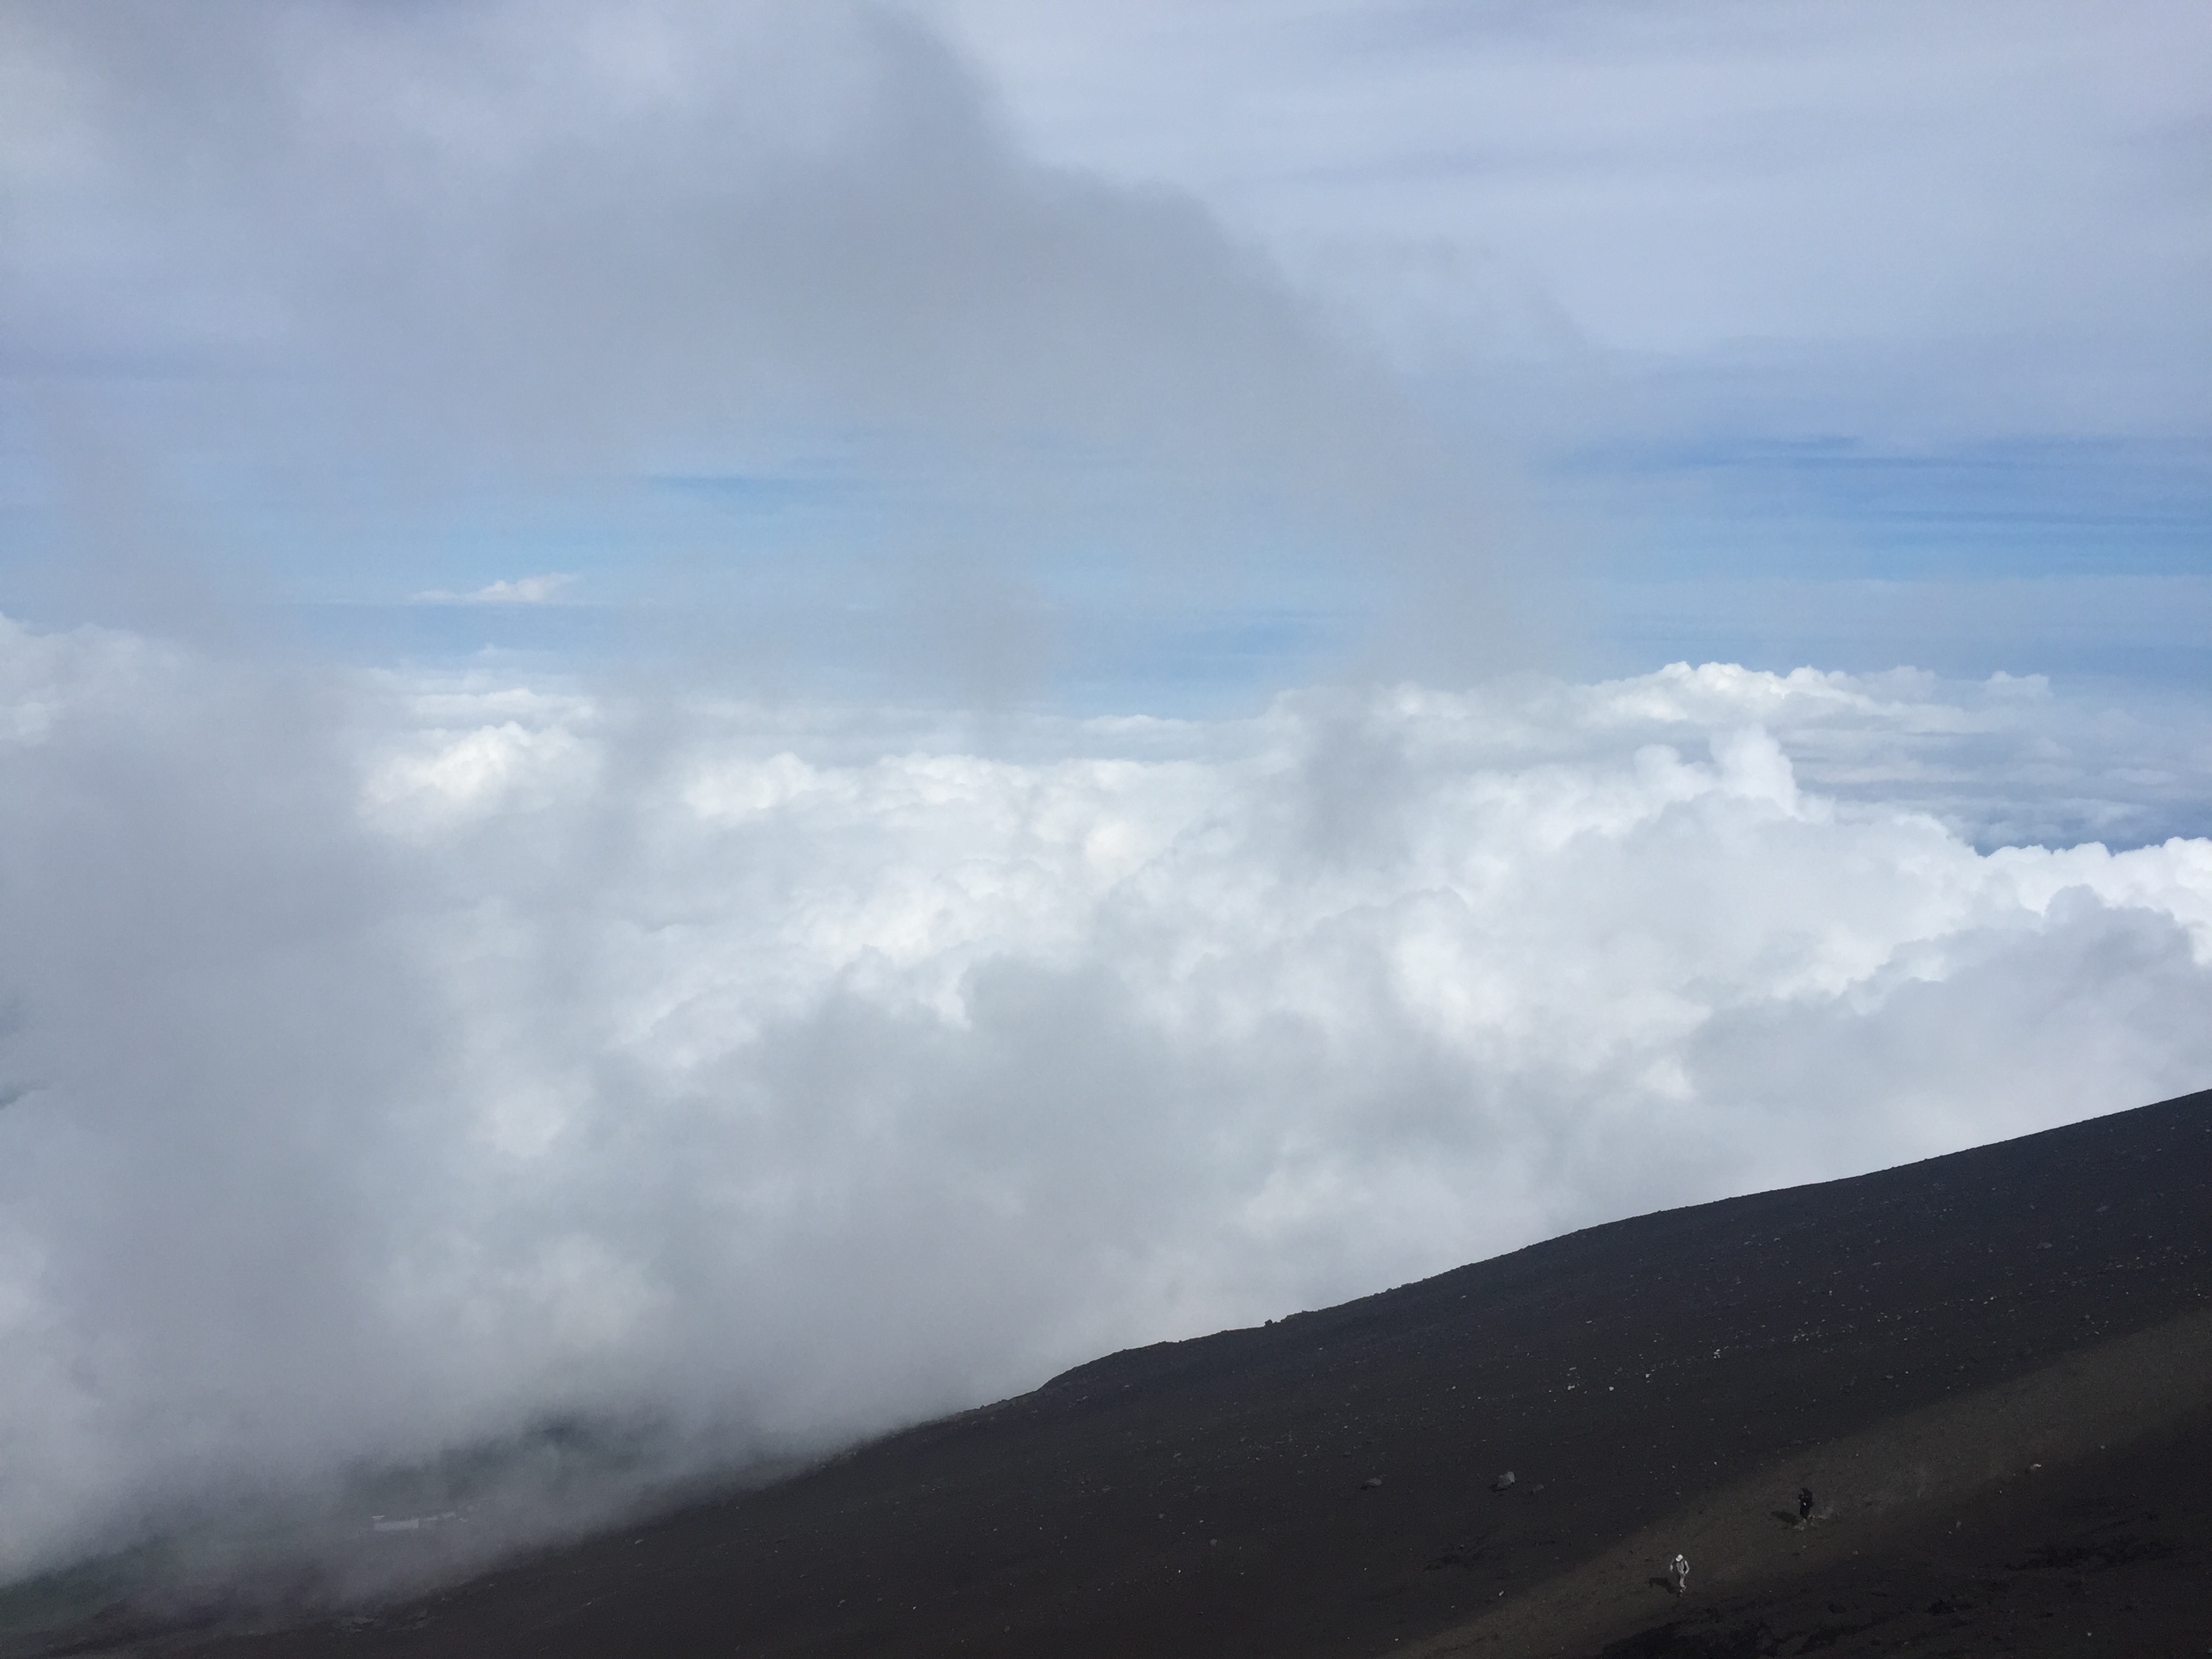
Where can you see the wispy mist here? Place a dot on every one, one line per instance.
(381, 273)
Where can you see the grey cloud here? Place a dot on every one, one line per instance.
(398, 259)
(526, 236)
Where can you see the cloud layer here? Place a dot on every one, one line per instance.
(397, 1066)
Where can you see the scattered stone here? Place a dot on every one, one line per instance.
(1503, 1481)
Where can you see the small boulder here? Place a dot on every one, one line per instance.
(1503, 1481)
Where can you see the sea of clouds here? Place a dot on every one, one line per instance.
(398, 1063)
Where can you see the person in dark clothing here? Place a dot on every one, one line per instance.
(1804, 1504)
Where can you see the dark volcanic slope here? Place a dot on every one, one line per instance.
(1216, 1497)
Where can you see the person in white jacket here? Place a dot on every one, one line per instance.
(1679, 1566)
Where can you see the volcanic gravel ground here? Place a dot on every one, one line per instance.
(2108, 1554)
(1907, 1342)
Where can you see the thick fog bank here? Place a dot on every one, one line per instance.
(393, 1066)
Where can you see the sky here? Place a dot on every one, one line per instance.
(1785, 308)
(723, 724)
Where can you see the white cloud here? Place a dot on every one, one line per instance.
(522, 590)
(406, 1065)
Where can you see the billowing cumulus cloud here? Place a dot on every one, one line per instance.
(403, 1065)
